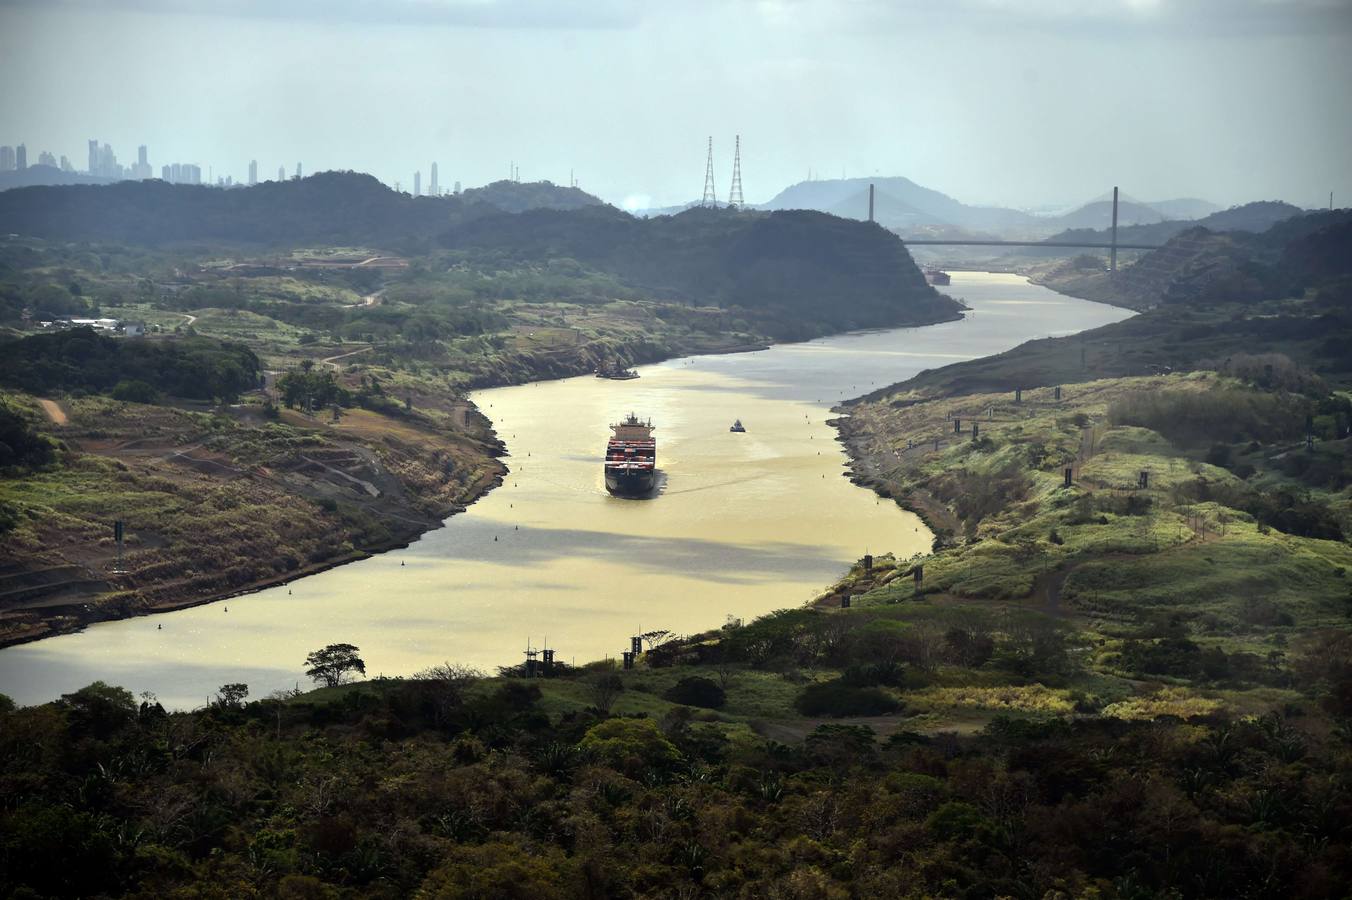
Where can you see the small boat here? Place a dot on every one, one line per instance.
(615, 372)
(738, 427)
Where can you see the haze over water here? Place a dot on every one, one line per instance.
(744, 523)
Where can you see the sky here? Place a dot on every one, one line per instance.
(1027, 104)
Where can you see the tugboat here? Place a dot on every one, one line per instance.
(615, 372)
(631, 458)
(935, 275)
(738, 427)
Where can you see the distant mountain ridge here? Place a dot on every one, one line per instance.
(1254, 217)
(912, 209)
(329, 207)
(909, 204)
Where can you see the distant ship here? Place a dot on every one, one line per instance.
(937, 276)
(738, 427)
(615, 372)
(631, 458)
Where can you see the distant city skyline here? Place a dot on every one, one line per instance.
(103, 164)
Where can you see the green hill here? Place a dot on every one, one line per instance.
(342, 208)
(830, 273)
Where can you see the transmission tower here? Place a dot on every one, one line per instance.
(710, 198)
(735, 195)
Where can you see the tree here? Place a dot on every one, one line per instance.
(695, 690)
(605, 687)
(99, 709)
(231, 696)
(333, 665)
(630, 745)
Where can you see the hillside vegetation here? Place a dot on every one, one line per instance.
(214, 500)
(337, 208)
(812, 272)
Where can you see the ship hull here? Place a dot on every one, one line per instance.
(630, 484)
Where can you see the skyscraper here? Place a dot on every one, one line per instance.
(45, 158)
(457, 187)
(6, 159)
(253, 172)
(432, 189)
(21, 157)
(65, 164)
(417, 183)
(297, 170)
(142, 168)
(94, 157)
(166, 174)
(281, 173)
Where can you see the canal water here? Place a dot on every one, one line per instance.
(743, 524)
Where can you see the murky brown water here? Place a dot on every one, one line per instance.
(743, 524)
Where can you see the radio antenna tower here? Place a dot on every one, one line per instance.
(710, 198)
(735, 195)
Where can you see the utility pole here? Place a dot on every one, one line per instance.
(1112, 265)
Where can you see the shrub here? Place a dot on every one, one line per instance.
(20, 444)
(1196, 417)
(871, 674)
(836, 698)
(630, 745)
(696, 690)
(135, 391)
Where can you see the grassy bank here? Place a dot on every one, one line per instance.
(279, 498)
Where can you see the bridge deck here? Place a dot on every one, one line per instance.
(930, 243)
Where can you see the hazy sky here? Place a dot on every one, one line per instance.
(1000, 101)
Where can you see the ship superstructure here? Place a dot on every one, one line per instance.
(631, 458)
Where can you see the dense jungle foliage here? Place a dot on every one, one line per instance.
(81, 360)
(450, 786)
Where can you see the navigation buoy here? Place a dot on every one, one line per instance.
(495, 537)
(401, 563)
(159, 627)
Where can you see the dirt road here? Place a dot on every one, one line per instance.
(332, 361)
(54, 411)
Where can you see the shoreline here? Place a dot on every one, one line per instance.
(79, 616)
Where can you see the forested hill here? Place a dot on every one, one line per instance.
(1251, 217)
(328, 208)
(824, 270)
(1200, 265)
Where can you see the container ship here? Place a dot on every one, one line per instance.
(631, 458)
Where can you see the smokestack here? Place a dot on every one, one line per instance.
(870, 202)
